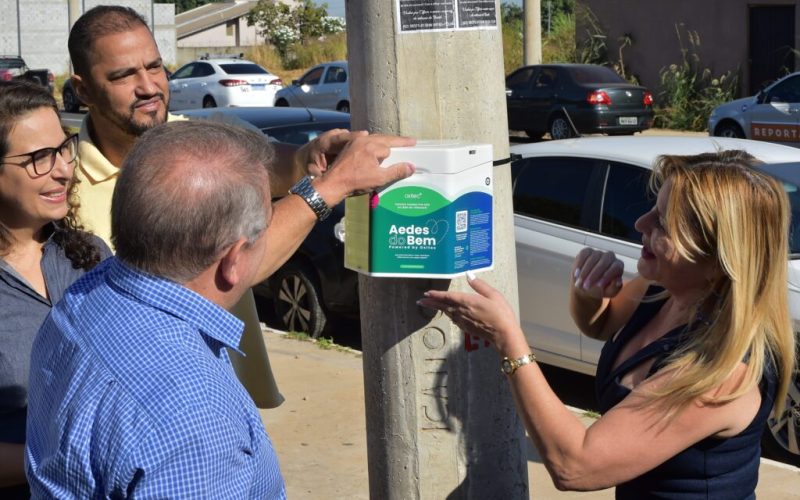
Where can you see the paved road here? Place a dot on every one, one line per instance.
(320, 431)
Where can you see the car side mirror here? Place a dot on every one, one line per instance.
(295, 82)
(760, 97)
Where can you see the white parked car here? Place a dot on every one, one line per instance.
(574, 193)
(210, 83)
(324, 86)
(771, 115)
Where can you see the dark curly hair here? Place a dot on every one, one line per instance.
(18, 98)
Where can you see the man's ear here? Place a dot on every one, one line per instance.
(80, 86)
(230, 269)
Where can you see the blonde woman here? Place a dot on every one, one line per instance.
(699, 347)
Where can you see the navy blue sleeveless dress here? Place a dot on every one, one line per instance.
(724, 469)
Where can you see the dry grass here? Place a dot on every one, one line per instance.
(267, 56)
(57, 84)
(303, 56)
(324, 49)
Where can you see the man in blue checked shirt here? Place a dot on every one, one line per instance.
(131, 388)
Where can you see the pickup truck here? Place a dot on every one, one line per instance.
(14, 67)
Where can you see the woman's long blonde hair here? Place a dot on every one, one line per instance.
(721, 208)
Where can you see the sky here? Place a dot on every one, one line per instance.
(336, 7)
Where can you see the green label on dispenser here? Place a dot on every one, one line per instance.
(417, 230)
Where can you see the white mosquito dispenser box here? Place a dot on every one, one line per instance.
(435, 224)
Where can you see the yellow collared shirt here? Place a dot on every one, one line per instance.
(97, 176)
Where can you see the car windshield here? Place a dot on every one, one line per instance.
(11, 63)
(594, 74)
(301, 134)
(243, 69)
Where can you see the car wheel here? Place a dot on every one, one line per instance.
(297, 300)
(282, 103)
(729, 129)
(209, 102)
(71, 103)
(534, 134)
(560, 128)
(343, 106)
(781, 440)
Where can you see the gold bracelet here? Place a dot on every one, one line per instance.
(509, 366)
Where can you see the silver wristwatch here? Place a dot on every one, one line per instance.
(305, 190)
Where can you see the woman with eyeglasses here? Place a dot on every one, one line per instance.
(42, 250)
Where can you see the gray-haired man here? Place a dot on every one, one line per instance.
(132, 391)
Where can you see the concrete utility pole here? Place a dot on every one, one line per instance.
(19, 32)
(441, 422)
(532, 35)
(75, 11)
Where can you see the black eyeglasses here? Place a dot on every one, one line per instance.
(43, 160)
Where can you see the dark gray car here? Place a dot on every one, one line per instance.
(571, 99)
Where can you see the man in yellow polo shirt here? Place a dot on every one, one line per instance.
(118, 73)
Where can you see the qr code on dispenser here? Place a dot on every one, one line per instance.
(461, 221)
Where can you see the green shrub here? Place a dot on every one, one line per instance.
(689, 92)
(512, 47)
(592, 47)
(559, 46)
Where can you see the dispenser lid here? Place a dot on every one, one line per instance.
(442, 156)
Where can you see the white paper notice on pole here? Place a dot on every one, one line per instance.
(414, 16)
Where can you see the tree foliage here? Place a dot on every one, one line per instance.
(282, 25)
(513, 15)
(554, 9)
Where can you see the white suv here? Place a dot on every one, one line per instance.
(209, 83)
(574, 193)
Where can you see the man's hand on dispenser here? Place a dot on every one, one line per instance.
(357, 168)
(315, 157)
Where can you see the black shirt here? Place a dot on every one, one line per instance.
(724, 469)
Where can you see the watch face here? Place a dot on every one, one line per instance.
(507, 366)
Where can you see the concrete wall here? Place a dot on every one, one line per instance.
(164, 32)
(722, 26)
(218, 36)
(42, 40)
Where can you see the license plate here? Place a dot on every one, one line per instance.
(628, 120)
(258, 86)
